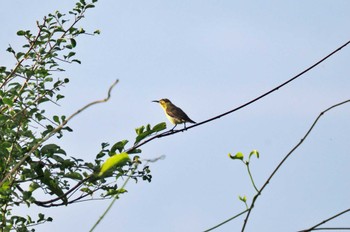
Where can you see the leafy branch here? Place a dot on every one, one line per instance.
(56, 130)
(28, 164)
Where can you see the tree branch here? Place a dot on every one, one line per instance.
(327, 220)
(285, 158)
(224, 222)
(171, 132)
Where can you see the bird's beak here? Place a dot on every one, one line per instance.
(155, 101)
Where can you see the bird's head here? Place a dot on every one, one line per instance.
(163, 102)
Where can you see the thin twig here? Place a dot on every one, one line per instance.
(285, 158)
(115, 198)
(44, 203)
(333, 228)
(226, 221)
(327, 220)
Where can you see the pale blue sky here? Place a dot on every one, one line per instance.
(208, 57)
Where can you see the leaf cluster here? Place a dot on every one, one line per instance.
(33, 171)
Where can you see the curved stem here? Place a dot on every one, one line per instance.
(251, 177)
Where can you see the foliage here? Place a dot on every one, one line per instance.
(33, 171)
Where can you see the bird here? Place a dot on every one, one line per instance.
(174, 113)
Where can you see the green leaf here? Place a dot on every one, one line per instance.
(87, 190)
(76, 61)
(159, 127)
(26, 195)
(51, 149)
(2, 69)
(7, 101)
(135, 151)
(5, 186)
(56, 119)
(100, 155)
(104, 145)
(49, 128)
(67, 128)
(80, 31)
(90, 6)
(54, 188)
(244, 198)
(19, 55)
(29, 219)
(70, 54)
(59, 15)
(21, 33)
(254, 152)
(143, 132)
(115, 192)
(10, 49)
(59, 96)
(73, 42)
(118, 146)
(74, 176)
(41, 217)
(33, 186)
(140, 130)
(117, 160)
(142, 136)
(5, 148)
(239, 155)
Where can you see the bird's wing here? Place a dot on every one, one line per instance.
(176, 112)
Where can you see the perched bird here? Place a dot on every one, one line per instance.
(174, 113)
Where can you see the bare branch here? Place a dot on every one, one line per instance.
(171, 132)
(333, 228)
(224, 222)
(285, 158)
(327, 220)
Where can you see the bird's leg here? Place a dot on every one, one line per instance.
(185, 126)
(173, 127)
